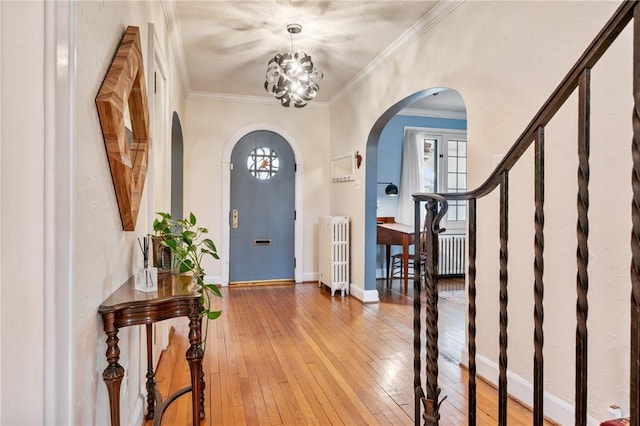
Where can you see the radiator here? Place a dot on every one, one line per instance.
(333, 253)
(452, 250)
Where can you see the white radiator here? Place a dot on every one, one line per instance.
(452, 255)
(333, 253)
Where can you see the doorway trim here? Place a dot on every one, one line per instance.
(159, 156)
(225, 198)
(158, 75)
(58, 396)
(177, 167)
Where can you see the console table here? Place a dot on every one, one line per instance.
(176, 297)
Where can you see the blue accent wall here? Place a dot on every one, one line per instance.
(390, 152)
(390, 159)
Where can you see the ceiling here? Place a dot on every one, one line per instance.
(224, 46)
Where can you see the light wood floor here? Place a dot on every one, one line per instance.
(294, 355)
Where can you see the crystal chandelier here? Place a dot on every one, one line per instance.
(291, 77)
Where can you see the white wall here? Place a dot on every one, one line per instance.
(211, 126)
(63, 248)
(22, 257)
(104, 255)
(505, 58)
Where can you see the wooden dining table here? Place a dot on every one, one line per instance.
(391, 234)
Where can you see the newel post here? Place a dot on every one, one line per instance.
(436, 207)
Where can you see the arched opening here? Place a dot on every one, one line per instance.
(177, 167)
(225, 199)
(262, 230)
(436, 118)
(417, 145)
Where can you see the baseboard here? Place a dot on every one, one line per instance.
(555, 409)
(365, 296)
(310, 276)
(212, 279)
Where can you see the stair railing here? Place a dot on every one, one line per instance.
(436, 205)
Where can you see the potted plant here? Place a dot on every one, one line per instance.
(162, 228)
(189, 246)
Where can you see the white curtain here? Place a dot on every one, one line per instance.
(412, 175)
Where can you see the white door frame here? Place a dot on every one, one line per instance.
(158, 64)
(225, 198)
(59, 139)
(157, 74)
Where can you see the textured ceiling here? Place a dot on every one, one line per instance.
(226, 44)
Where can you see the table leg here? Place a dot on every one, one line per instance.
(388, 256)
(151, 377)
(114, 372)
(194, 358)
(202, 386)
(405, 261)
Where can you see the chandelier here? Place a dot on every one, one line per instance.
(291, 77)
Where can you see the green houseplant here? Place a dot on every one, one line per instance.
(189, 246)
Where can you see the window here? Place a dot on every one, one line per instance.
(263, 163)
(445, 170)
(457, 177)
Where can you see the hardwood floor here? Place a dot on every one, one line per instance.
(294, 355)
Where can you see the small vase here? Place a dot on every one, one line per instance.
(146, 279)
(162, 258)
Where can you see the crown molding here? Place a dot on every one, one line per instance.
(247, 99)
(175, 38)
(435, 113)
(414, 33)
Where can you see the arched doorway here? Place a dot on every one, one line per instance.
(262, 209)
(177, 167)
(437, 116)
(225, 223)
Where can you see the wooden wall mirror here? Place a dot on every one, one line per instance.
(123, 90)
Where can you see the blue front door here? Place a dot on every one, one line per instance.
(262, 209)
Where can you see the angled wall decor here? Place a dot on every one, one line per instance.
(123, 94)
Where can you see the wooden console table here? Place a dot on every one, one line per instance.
(176, 297)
